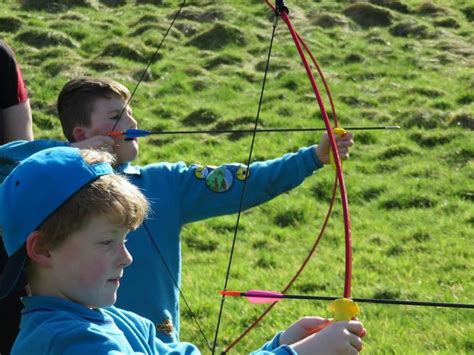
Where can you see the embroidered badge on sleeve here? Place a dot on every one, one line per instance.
(166, 326)
(220, 179)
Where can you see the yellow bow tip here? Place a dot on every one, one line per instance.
(344, 309)
(340, 132)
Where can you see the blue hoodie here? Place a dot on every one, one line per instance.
(181, 194)
(55, 326)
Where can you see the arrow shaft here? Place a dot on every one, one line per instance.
(368, 300)
(268, 130)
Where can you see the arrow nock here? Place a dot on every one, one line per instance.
(115, 134)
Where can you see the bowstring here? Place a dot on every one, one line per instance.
(193, 315)
(150, 61)
(234, 239)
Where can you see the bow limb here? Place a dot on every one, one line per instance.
(344, 308)
(335, 154)
(299, 43)
(339, 178)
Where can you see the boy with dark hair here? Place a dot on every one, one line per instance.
(180, 194)
(71, 243)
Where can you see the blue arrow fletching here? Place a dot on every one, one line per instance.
(135, 133)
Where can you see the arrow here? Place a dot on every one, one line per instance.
(137, 133)
(261, 296)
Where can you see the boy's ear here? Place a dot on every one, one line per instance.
(35, 251)
(79, 134)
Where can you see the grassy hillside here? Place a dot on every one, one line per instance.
(388, 62)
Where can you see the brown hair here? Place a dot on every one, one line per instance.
(110, 195)
(77, 99)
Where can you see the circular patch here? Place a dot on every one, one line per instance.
(220, 179)
(201, 172)
(242, 172)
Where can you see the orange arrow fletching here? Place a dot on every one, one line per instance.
(230, 293)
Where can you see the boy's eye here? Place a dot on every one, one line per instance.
(114, 118)
(109, 242)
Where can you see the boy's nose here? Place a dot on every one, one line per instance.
(131, 119)
(125, 257)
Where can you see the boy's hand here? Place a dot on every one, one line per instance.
(302, 329)
(337, 338)
(323, 149)
(97, 142)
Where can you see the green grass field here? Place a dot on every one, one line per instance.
(407, 63)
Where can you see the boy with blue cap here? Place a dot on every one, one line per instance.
(88, 109)
(71, 243)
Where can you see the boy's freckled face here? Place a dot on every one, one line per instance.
(87, 267)
(103, 118)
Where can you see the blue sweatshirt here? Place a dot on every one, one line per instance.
(181, 194)
(51, 325)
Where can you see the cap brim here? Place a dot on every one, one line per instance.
(13, 276)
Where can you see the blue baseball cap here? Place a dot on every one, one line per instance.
(36, 188)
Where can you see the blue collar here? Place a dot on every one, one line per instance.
(127, 168)
(41, 303)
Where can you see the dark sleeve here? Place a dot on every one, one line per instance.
(10, 311)
(12, 87)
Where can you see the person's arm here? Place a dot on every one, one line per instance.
(16, 123)
(316, 335)
(207, 191)
(15, 111)
(273, 347)
(91, 341)
(21, 149)
(343, 337)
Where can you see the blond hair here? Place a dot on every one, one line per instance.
(77, 99)
(110, 195)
